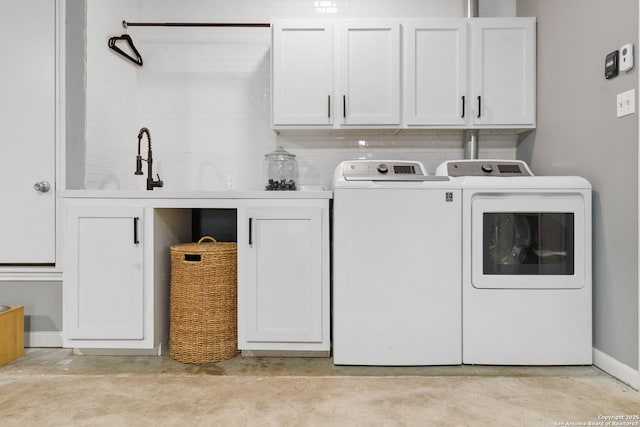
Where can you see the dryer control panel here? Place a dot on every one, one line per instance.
(500, 168)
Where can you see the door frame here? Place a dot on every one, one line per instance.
(61, 120)
(53, 273)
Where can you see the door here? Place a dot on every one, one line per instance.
(528, 242)
(103, 288)
(282, 297)
(302, 73)
(503, 71)
(370, 73)
(436, 72)
(27, 132)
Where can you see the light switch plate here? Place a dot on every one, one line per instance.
(626, 103)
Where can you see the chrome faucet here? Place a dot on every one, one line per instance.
(151, 183)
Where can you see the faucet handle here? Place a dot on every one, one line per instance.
(138, 165)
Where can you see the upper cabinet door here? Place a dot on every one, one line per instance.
(503, 71)
(369, 73)
(436, 72)
(302, 62)
(28, 132)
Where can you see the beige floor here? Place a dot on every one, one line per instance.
(52, 387)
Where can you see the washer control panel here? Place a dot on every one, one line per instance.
(382, 170)
(503, 168)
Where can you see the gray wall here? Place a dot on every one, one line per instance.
(75, 80)
(42, 303)
(578, 134)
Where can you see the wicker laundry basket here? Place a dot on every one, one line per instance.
(203, 303)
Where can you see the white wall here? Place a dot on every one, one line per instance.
(204, 94)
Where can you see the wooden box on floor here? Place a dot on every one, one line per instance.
(11, 333)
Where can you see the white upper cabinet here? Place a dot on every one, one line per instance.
(458, 73)
(503, 65)
(436, 72)
(369, 92)
(470, 73)
(364, 60)
(302, 73)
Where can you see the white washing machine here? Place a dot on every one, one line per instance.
(396, 265)
(526, 270)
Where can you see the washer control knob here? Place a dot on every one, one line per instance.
(382, 168)
(487, 168)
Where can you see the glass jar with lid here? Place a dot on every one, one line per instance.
(280, 170)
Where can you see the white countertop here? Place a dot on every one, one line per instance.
(194, 194)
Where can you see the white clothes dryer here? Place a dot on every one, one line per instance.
(526, 265)
(396, 265)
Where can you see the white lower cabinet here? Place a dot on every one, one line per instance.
(117, 272)
(106, 294)
(283, 277)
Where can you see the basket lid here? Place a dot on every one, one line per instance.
(205, 244)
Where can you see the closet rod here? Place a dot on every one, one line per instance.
(126, 24)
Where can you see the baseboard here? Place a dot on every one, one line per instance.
(616, 369)
(158, 350)
(117, 352)
(43, 339)
(284, 353)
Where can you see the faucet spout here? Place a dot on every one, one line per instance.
(151, 183)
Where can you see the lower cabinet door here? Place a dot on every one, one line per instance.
(282, 297)
(103, 275)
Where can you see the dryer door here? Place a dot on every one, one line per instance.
(522, 241)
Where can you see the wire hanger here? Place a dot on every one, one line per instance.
(112, 44)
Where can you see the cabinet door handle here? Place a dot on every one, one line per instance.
(344, 106)
(250, 231)
(462, 116)
(329, 106)
(135, 230)
(479, 106)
